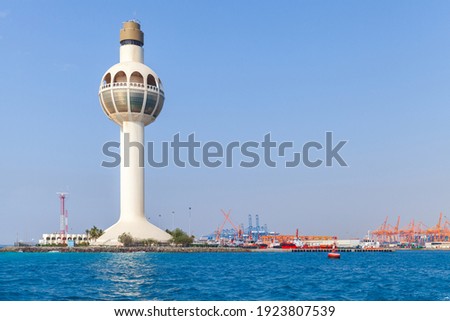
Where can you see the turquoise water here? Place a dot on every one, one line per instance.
(225, 276)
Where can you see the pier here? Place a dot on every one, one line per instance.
(345, 250)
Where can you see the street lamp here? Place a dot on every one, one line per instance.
(173, 220)
(190, 221)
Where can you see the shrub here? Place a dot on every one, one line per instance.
(126, 239)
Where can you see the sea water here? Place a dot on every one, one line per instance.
(402, 275)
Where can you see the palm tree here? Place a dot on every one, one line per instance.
(94, 233)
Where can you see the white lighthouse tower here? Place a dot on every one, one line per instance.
(132, 96)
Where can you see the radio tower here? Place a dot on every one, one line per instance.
(63, 217)
(67, 222)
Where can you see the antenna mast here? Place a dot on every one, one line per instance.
(63, 216)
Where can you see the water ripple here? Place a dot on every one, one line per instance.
(224, 276)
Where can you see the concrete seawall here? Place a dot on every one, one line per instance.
(110, 249)
(170, 249)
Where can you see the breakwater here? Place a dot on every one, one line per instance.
(121, 249)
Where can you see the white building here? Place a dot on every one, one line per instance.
(58, 238)
(437, 245)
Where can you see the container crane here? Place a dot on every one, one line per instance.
(436, 232)
(382, 232)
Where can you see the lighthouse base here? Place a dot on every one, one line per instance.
(139, 229)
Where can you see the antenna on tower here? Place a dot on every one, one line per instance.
(67, 221)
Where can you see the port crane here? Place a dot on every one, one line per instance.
(393, 233)
(228, 219)
(435, 234)
(382, 232)
(413, 233)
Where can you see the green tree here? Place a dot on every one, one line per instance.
(126, 239)
(180, 237)
(94, 233)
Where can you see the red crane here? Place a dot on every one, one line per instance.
(227, 218)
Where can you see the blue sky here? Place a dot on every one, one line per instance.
(375, 73)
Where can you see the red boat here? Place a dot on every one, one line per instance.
(253, 245)
(288, 245)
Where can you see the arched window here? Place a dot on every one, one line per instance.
(107, 79)
(120, 77)
(136, 77)
(151, 80)
(120, 95)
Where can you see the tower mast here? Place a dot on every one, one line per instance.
(63, 221)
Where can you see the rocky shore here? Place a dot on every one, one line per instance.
(175, 249)
(121, 249)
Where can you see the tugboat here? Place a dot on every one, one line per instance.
(261, 246)
(254, 245)
(334, 254)
(288, 245)
(250, 245)
(295, 244)
(275, 244)
(297, 241)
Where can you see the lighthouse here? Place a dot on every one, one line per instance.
(131, 95)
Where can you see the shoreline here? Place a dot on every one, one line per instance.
(121, 249)
(168, 249)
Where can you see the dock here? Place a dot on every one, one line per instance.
(345, 250)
